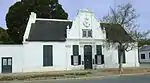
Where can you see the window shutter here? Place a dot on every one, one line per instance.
(121, 57)
(95, 59)
(119, 54)
(79, 60)
(102, 59)
(72, 60)
(124, 57)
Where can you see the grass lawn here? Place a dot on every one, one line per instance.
(69, 74)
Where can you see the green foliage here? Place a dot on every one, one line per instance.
(143, 42)
(18, 15)
(4, 38)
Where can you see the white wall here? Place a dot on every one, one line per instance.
(147, 58)
(76, 30)
(14, 51)
(62, 51)
(110, 54)
(74, 37)
(32, 19)
(81, 43)
(33, 56)
(111, 57)
(132, 58)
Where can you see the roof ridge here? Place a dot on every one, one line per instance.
(54, 20)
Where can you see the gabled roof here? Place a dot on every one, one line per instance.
(46, 30)
(145, 48)
(115, 33)
(53, 30)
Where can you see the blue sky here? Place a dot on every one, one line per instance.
(99, 7)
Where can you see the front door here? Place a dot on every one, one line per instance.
(6, 64)
(87, 57)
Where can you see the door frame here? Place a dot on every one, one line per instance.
(7, 66)
(88, 65)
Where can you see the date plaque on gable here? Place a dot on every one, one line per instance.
(86, 22)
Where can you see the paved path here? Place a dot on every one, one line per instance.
(117, 79)
(145, 65)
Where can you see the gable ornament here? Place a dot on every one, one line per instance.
(86, 22)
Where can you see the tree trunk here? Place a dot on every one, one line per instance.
(120, 64)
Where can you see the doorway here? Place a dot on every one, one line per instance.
(6, 64)
(87, 57)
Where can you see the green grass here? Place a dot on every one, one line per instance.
(45, 75)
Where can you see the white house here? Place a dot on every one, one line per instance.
(144, 54)
(55, 44)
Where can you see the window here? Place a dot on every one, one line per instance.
(86, 33)
(9, 62)
(4, 61)
(99, 59)
(149, 55)
(142, 56)
(123, 57)
(75, 50)
(6, 64)
(76, 60)
(47, 55)
(99, 49)
(89, 33)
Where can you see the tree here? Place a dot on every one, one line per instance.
(18, 15)
(144, 42)
(126, 16)
(4, 37)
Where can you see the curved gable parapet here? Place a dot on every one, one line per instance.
(85, 20)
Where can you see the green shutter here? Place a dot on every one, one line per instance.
(72, 60)
(102, 59)
(119, 54)
(95, 59)
(75, 50)
(124, 57)
(79, 60)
